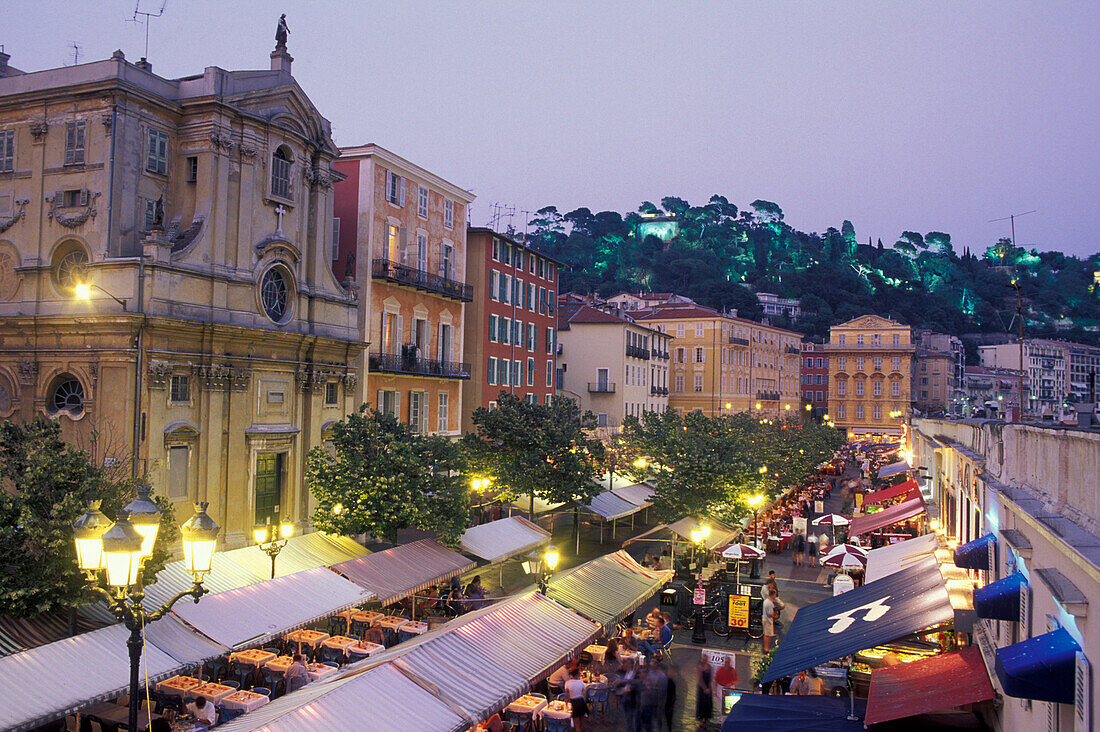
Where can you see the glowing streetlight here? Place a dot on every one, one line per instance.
(271, 539)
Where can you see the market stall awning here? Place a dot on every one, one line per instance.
(928, 685)
(894, 491)
(185, 644)
(381, 698)
(976, 554)
(794, 714)
(404, 570)
(248, 565)
(893, 469)
(876, 613)
(60, 678)
(640, 494)
(1042, 668)
(523, 503)
(1000, 600)
(19, 634)
(887, 560)
(252, 615)
(489, 658)
(720, 534)
(609, 506)
(497, 540)
(608, 588)
(886, 517)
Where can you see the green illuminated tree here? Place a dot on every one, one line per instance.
(381, 478)
(47, 485)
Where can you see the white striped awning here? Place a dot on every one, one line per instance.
(404, 570)
(497, 540)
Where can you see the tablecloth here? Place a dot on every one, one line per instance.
(213, 692)
(527, 704)
(246, 701)
(319, 671)
(311, 638)
(252, 657)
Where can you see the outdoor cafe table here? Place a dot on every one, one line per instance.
(555, 710)
(598, 652)
(318, 671)
(414, 627)
(340, 643)
(252, 657)
(366, 616)
(390, 622)
(628, 655)
(527, 704)
(364, 648)
(279, 664)
(115, 715)
(177, 685)
(213, 692)
(311, 638)
(246, 701)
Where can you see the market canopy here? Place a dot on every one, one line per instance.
(608, 588)
(1042, 668)
(523, 502)
(252, 615)
(720, 534)
(404, 570)
(497, 540)
(929, 685)
(876, 613)
(640, 494)
(248, 565)
(491, 656)
(893, 469)
(381, 698)
(609, 506)
(901, 489)
(794, 714)
(61, 678)
(886, 517)
(887, 560)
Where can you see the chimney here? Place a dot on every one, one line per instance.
(3, 62)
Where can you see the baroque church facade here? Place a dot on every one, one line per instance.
(166, 284)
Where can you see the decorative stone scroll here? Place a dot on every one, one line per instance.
(72, 221)
(9, 221)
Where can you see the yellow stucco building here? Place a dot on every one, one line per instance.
(870, 372)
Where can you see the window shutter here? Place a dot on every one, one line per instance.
(492, 284)
(1082, 695)
(400, 332)
(414, 416)
(401, 194)
(1025, 613)
(382, 321)
(70, 142)
(403, 244)
(424, 401)
(386, 178)
(379, 404)
(83, 196)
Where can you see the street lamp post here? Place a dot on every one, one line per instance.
(271, 539)
(699, 535)
(120, 549)
(542, 565)
(755, 502)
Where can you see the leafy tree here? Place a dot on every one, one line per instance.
(47, 485)
(546, 451)
(381, 478)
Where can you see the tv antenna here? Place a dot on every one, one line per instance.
(500, 212)
(1011, 218)
(138, 11)
(76, 52)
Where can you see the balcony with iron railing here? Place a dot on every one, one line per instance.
(637, 352)
(410, 364)
(663, 355)
(402, 274)
(767, 396)
(735, 341)
(658, 391)
(793, 349)
(868, 347)
(601, 387)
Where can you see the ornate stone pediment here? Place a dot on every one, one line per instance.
(223, 377)
(73, 220)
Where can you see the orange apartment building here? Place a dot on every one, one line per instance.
(400, 233)
(511, 327)
(722, 364)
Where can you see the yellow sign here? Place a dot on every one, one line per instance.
(739, 611)
(859, 501)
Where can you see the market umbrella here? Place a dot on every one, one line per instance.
(741, 551)
(831, 520)
(845, 557)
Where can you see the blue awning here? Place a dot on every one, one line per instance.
(1000, 600)
(795, 714)
(878, 612)
(975, 554)
(1041, 668)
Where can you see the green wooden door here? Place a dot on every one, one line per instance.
(269, 486)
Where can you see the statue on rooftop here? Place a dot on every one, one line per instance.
(281, 32)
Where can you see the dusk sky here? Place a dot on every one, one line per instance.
(918, 115)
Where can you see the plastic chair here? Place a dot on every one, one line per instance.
(94, 725)
(279, 689)
(331, 663)
(600, 698)
(261, 690)
(521, 721)
(561, 697)
(358, 629)
(224, 715)
(554, 689)
(232, 683)
(538, 696)
(556, 725)
(337, 625)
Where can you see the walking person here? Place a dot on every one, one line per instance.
(811, 549)
(627, 690)
(767, 618)
(574, 690)
(704, 693)
(653, 697)
(670, 702)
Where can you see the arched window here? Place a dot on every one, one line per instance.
(67, 395)
(280, 173)
(70, 262)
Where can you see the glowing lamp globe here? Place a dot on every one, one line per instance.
(286, 528)
(88, 533)
(260, 534)
(122, 552)
(551, 557)
(145, 517)
(200, 536)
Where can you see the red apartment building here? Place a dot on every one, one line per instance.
(510, 326)
(815, 376)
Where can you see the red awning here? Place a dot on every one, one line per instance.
(892, 492)
(921, 687)
(887, 517)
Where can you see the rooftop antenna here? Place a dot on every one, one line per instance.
(76, 51)
(138, 11)
(1015, 285)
